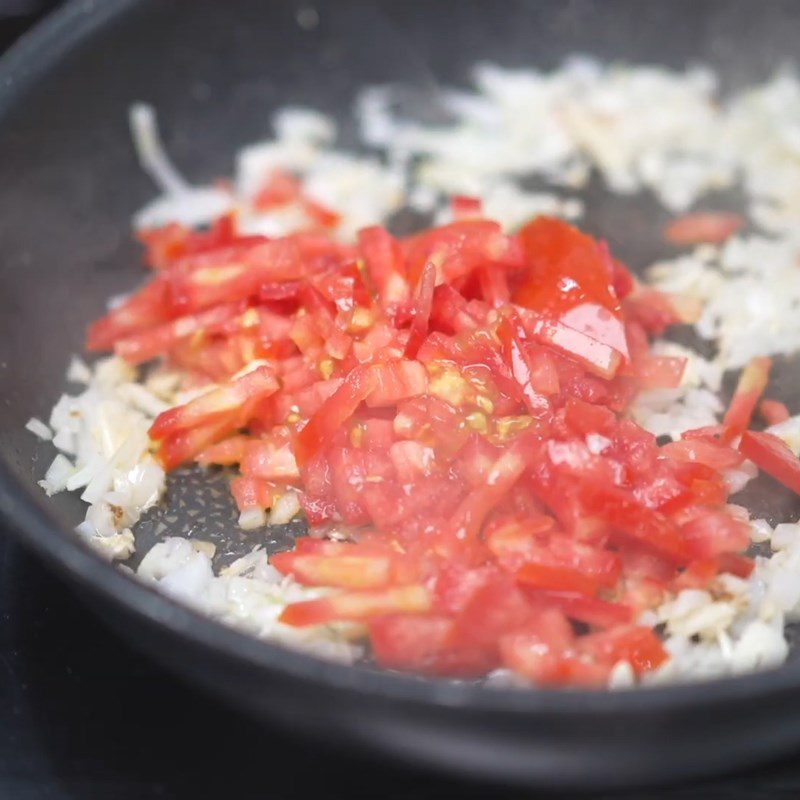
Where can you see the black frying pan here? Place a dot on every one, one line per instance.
(215, 70)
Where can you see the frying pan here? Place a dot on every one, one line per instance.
(216, 71)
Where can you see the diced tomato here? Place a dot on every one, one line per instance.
(545, 653)
(422, 643)
(270, 460)
(752, 383)
(185, 445)
(590, 610)
(465, 207)
(280, 189)
(226, 400)
(147, 344)
(712, 533)
(773, 411)
(637, 645)
(252, 492)
(585, 418)
(147, 307)
(225, 453)
(422, 310)
(774, 456)
(494, 609)
(333, 413)
(516, 358)
(472, 511)
(598, 357)
(700, 227)
(717, 456)
(455, 585)
(560, 579)
(384, 261)
(357, 606)
(660, 372)
(344, 571)
(395, 381)
(456, 249)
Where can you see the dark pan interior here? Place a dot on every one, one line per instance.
(215, 72)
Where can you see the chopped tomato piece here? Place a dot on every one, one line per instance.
(773, 411)
(396, 381)
(717, 456)
(774, 456)
(252, 493)
(344, 571)
(225, 453)
(384, 262)
(637, 645)
(496, 608)
(227, 400)
(422, 643)
(270, 460)
(333, 413)
(422, 310)
(577, 606)
(357, 606)
(752, 383)
(465, 207)
(700, 227)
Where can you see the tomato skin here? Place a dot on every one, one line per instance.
(774, 456)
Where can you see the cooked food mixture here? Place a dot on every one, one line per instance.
(507, 468)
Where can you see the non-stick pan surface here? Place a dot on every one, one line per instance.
(215, 71)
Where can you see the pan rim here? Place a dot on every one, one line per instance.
(35, 54)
